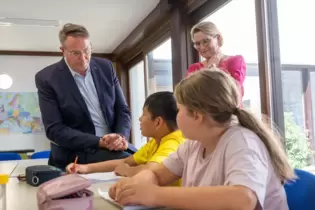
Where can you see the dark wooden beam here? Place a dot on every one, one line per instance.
(154, 28)
(205, 8)
(263, 59)
(193, 5)
(271, 15)
(269, 63)
(109, 56)
(145, 27)
(308, 104)
(123, 77)
(180, 41)
(148, 43)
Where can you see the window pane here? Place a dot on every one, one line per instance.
(137, 98)
(159, 68)
(293, 96)
(237, 23)
(312, 80)
(296, 47)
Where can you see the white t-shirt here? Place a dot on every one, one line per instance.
(240, 158)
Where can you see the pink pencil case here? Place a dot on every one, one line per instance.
(68, 192)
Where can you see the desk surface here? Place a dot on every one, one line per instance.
(20, 195)
(7, 167)
(23, 196)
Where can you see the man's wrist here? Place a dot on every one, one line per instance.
(100, 142)
(125, 141)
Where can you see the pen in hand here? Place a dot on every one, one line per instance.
(75, 162)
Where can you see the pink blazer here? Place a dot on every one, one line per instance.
(234, 65)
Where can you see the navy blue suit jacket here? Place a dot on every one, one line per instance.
(66, 118)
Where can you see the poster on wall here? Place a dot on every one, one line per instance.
(20, 113)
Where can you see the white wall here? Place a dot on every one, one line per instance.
(22, 69)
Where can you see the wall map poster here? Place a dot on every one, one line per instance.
(20, 113)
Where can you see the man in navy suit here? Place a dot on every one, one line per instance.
(83, 107)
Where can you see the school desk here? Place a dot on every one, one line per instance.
(20, 195)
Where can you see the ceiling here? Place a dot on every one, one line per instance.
(108, 21)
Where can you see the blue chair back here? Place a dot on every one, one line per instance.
(301, 192)
(9, 156)
(41, 154)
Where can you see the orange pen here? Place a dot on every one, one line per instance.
(75, 162)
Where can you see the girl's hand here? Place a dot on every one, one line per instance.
(130, 192)
(113, 189)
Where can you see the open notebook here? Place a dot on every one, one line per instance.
(101, 177)
(105, 195)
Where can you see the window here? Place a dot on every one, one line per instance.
(312, 99)
(137, 98)
(159, 68)
(293, 95)
(236, 21)
(297, 61)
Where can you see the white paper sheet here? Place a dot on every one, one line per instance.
(105, 195)
(101, 177)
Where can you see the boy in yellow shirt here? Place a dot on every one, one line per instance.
(158, 121)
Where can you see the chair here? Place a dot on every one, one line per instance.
(301, 192)
(41, 154)
(9, 156)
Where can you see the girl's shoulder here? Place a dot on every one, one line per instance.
(237, 138)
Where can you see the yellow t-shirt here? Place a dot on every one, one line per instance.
(152, 152)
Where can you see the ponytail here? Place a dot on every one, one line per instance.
(214, 92)
(271, 141)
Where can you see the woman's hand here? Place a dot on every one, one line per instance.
(128, 191)
(214, 61)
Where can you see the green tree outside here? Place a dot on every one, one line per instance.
(297, 144)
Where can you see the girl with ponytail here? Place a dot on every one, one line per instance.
(231, 161)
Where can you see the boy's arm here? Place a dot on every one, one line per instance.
(109, 166)
(163, 174)
(159, 156)
(129, 171)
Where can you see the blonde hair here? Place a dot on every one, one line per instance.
(208, 28)
(215, 93)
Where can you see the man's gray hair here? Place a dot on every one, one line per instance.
(74, 30)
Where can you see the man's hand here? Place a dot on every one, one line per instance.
(113, 141)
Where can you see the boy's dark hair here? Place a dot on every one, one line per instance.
(163, 104)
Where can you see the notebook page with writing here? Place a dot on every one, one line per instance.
(105, 195)
(101, 177)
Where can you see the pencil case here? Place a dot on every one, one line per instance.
(68, 192)
(38, 174)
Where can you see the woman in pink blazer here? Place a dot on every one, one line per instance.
(208, 41)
